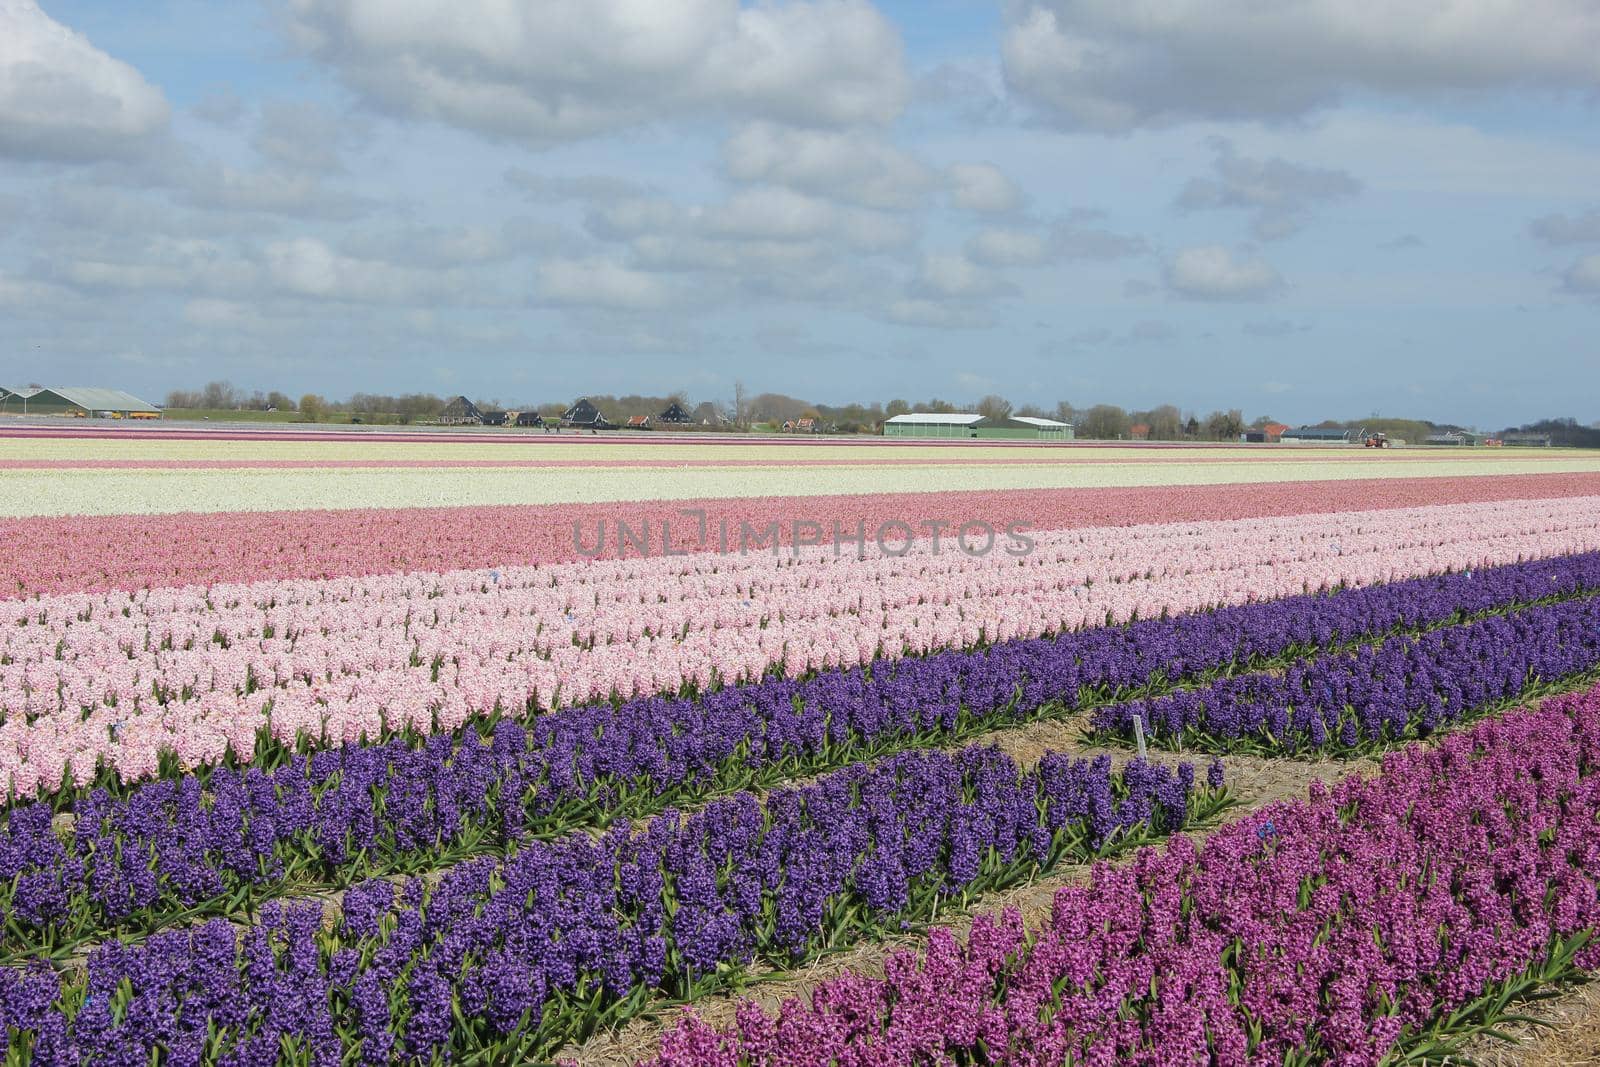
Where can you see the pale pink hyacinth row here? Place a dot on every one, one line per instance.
(118, 679)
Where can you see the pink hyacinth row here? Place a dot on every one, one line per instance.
(116, 680)
(1331, 927)
(76, 554)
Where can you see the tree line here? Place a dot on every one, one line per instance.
(748, 411)
(743, 412)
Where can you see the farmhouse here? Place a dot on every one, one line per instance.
(460, 412)
(78, 403)
(675, 415)
(529, 418)
(495, 418)
(958, 424)
(1268, 434)
(585, 415)
(638, 422)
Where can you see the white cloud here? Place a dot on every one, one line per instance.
(623, 219)
(1279, 193)
(601, 283)
(1568, 229)
(915, 311)
(308, 267)
(1212, 272)
(983, 188)
(568, 69)
(1119, 64)
(1584, 275)
(955, 277)
(769, 214)
(1070, 239)
(210, 313)
(306, 136)
(1274, 328)
(560, 188)
(219, 187)
(439, 247)
(62, 98)
(1010, 246)
(763, 242)
(853, 165)
(1000, 247)
(159, 262)
(220, 107)
(24, 293)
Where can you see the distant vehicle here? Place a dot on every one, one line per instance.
(1378, 440)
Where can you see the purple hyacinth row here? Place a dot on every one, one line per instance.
(1406, 687)
(136, 861)
(511, 959)
(1338, 929)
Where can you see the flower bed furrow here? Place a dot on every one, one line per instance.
(505, 961)
(174, 850)
(121, 683)
(1376, 696)
(73, 554)
(1393, 917)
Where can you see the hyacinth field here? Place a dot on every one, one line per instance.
(325, 747)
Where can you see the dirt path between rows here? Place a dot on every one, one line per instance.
(1570, 1034)
(1255, 783)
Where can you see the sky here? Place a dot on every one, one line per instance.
(1306, 209)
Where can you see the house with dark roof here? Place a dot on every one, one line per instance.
(529, 418)
(584, 415)
(460, 412)
(1264, 435)
(495, 418)
(675, 415)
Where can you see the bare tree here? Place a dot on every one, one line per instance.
(994, 407)
(1104, 422)
(219, 395)
(1224, 425)
(1165, 422)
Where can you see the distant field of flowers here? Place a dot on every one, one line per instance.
(328, 748)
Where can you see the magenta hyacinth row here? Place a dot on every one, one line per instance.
(1336, 928)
